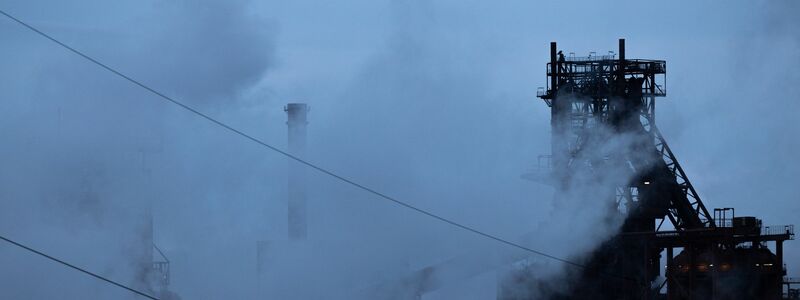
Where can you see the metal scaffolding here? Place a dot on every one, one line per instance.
(596, 98)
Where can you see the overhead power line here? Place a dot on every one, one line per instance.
(140, 293)
(298, 159)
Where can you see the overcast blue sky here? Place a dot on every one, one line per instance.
(432, 102)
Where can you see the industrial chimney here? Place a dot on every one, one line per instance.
(297, 122)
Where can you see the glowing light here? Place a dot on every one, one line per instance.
(702, 268)
(724, 267)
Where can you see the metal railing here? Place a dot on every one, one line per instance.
(544, 161)
(162, 268)
(591, 57)
(724, 223)
(778, 230)
(660, 91)
(540, 92)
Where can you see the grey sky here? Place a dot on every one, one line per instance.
(429, 101)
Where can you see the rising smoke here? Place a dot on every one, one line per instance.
(586, 193)
(87, 154)
(430, 102)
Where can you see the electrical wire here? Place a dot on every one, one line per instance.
(298, 159)
(140, 293)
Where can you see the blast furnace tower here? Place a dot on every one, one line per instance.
(603, 125)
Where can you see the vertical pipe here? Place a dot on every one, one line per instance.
(297, 122)
(646, 270)
(149, 231)
(556, 118)
(652, 98)
(692, 264)
(779, 255)
(668, 273)
(621, 67)
(145, 272)
(144, 276)
(553, 106)
(553, 68)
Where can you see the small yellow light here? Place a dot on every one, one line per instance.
(724, 267)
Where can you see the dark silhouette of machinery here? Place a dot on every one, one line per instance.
(598, 100)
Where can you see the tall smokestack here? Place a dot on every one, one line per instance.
(144, 260)
(296, 112)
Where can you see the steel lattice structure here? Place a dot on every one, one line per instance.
(594, 101)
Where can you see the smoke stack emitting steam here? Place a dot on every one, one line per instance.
(297, 226)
